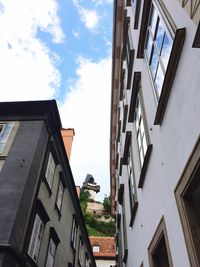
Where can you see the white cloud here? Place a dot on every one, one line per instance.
(28, 68)
(75, 33)
(88, 16)
(99, 2)
(86, 109)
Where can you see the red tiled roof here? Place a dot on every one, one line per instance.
(106, 246)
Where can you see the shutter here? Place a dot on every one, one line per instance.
(36, 238)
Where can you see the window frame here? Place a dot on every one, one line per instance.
(7, 134)
(80, 252)
(60, 183)
(136, 12)
(36, 247)
(74, 233)
(186, 186)
(39, 211)
(178, 37)
(146, 155)
(53, 237)
(160, 233)
(133, 200)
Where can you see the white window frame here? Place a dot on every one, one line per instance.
(60, 194)
(140, 125)
(4, 133)
(36, 238)
(50, 170)
(74, 233)
(80, 253)
(169, 28)
(51, 254)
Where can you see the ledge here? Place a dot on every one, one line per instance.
(170, 74)
(145, 166)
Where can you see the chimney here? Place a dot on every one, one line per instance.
(67, 135)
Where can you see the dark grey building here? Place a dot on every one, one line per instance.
(40, 218)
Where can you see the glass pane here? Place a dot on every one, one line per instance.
(142, 127)
(139, 139)
(154, 62)
(160, 36)
(144, 144)
(159, 80)
(154, 18)
(141, 157)
(134, 2)
(166, 50)
(149, 45)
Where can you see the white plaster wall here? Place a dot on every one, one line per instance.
(173, 142)
(105, 263)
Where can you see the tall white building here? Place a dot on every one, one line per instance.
(155, 132)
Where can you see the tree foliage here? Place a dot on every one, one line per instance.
(107, 203)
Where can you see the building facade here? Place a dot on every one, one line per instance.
(41, 223)
(155, 134)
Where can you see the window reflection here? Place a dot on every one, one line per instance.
(158, 48)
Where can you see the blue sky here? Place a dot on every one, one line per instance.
(62, 50)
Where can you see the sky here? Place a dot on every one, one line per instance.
(61, 49)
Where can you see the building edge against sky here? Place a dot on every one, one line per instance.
(41, 223)
(154, 134)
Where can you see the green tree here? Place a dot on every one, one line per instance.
(107, 203)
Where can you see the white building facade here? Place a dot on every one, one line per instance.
(155, 132)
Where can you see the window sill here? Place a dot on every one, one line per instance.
(170, 74)
(133, 213)
(30, 260)
(145, 166)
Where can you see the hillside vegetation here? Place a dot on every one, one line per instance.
(97, 224)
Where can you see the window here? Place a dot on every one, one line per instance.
(187, 195)
(74, 232)
(136, 12)
(59, 197)
(53, 243)
(87, 263)
(144, 148)
(163, 46)
(36, 238)
(140, 131)
(51, 253)
(50, 171)
(159, 252)
(5, 129)
(80, 253)
(158, 48)
(95, 248)
(132, 188)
